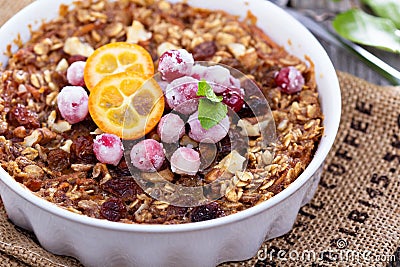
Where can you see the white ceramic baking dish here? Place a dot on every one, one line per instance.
(236, 237)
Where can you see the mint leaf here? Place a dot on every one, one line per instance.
(205, 89)
(211, 113)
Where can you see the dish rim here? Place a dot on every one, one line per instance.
(324, 147)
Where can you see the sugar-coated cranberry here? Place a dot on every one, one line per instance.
(212, 135)
(147, 155)
(72, 102)
(75, 73)
(174, 64)
(289, 80)
(108, 148)
(171, 128)
(181, 95)
(185, 161)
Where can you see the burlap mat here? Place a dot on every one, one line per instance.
(354, 219)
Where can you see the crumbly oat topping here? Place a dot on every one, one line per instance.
(55, 159)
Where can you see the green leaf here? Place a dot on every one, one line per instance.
(211, 113)
(204, 89)
(362, 28)
(389, 9)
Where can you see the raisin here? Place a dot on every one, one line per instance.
(113, 209)
(82, 149)
(58, 159)
(206, 212)
(120, 170)
(122, 187)
(204, 51)
(20, 115)
(175, 213)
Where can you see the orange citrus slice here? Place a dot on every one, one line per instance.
(114, 58)
(126, 104)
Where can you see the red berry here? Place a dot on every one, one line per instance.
(174, 64)
(75, 73)
(289, 80)
(108, 148)
(185, 161)
(181, 95)
(171, 128)
(72, 102)
(233, 98)
(147, 155)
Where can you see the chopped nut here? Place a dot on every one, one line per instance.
(267, 157)
(61, 127)
(249, 129)
(67, 146)
(237, 49)
(233, 162)
(249, 58)
(164, 5)
(113, 29)
(34, 171)
(51, 99)
(223, 38)
(137, 33)
(42, 48)
(32, 139)
(20, 76)
(165, 46)
(36, 80)
(80, 167)
(74, 46)
(62, 65)
(30, 153)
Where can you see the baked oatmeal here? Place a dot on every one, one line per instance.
(72, 159)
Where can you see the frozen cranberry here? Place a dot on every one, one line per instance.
(171, 128)
(289, 80)
(181, 95)
(206, 212)
(75, 73)
(72, 102)
(185, 161)
(108, 148)
(212, 135)
(174, 64)
(147, 155)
